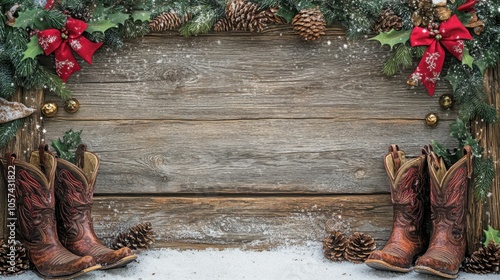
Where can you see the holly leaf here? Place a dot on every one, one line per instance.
(286, 13)
(31, 19)
(464, 17)
(118, 18)
(141, 15)
(467, 59)
(491, 235)
(481, 64)
(33, 49)
(65, 148)
(100, 26)
(393, 37)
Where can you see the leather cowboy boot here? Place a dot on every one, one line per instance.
(409, 195)
(74, 192)
(448, 205)
(36, 225)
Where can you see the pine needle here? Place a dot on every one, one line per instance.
(8, 130)
(400, 58)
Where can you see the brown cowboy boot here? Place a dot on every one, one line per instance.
(448, 205)
(407, 179)
(74, 192)
(34, 193)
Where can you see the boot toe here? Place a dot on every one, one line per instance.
(383, 260)
(117, 258)
(436, 266)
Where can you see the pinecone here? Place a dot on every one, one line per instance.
(167, 21)
(223, 25)
(140, 236)
(310, 24)
(22, 263)
(359, 247)
(424, 12)
(245, 16)
(388, 21)
(270, 16)
(485, 260)
(334, 246)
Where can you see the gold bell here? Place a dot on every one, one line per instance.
(49, 109)
(71, 105)
(446, 101)
(431, 119)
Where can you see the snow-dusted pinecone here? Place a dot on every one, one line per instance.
(359, 247)
(423, 13)
(483, 261)
(22, 263)
(140, 236)
(334, 246)
(388, 21)
(167, 21)
(310, 24)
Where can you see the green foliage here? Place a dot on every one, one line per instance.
(203, 20)
(393, 37)
(491, 235)
(484, 173)
(66, 147)
(8, 130)
(7, 83)
(33, 48)
(100, 26)
(40, 19)
(141, 15)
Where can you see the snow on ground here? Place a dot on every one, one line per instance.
(291, 263)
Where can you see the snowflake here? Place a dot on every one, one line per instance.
(431, 60)
(434, 79)
(458, 49)
(60, 64)
(417, 76)
(46, 41)
(75, 44)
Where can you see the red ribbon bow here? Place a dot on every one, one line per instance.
(451, 35)
(62, 41)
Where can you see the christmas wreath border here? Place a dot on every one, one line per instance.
(411, 28)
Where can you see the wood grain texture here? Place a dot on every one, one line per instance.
(26, 139)
(250, 156)
(246, 76)
(483, 214)
(248, 223)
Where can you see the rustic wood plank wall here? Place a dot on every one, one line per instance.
(246, 140)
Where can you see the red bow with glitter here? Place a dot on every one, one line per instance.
(450, 35)
(62, 41)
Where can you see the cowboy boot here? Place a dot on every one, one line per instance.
(36, 225)
(407, 178)
(74, 192)
(448, 205)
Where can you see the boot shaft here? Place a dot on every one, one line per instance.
(34, 192)
(449, 189)
(408, 185)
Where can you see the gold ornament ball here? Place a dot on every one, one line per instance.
(49, 109)
(431, 119)
(446, 101)
(71, 105)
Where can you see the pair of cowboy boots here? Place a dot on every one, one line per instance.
(423, 188)
(54, 223)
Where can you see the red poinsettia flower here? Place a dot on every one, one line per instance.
(450, 35)
(61, 42)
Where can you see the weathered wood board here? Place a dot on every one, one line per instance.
(245, 140)
(245, 222)
(246, 156)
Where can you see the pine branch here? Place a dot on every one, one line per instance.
(7, 83)
(203, 20)
(400, 58)
(8, 130)
(484, 173)
(66, 147)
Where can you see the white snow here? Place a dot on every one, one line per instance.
(290, 263)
